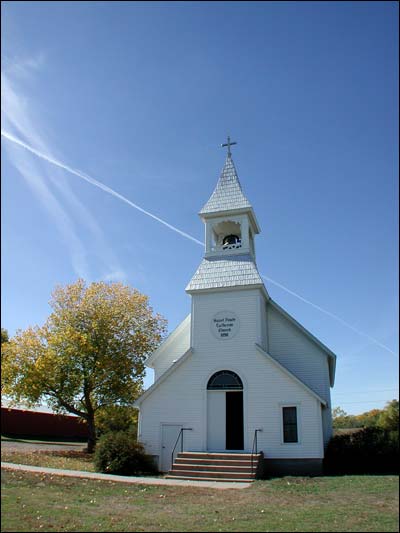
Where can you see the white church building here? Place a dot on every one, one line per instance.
(239, 375)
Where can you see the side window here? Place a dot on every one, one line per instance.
(289, 417)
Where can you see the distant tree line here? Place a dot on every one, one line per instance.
(387, 418)
(371, 448)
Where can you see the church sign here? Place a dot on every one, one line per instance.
(224, 325)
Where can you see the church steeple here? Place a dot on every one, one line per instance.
(228, 194)
(228, 215)
(230, 227)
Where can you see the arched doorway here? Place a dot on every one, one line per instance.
(224, 411)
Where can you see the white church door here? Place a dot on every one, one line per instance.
(216, 416)
(169, 436)
(225, 412)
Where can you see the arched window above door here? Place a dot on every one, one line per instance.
(225, 380)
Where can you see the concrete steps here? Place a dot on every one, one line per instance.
(226, 462)
(194, 478)
(208, 466)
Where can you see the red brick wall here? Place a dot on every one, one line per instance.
(18, 422)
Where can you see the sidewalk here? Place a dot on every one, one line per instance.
(126, 479)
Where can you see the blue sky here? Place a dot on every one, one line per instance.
(139, 96)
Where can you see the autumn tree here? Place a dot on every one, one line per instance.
(4, 335)
(340, 419)
(88, 355)
(368, 419)
(389, 417)
(117, 418)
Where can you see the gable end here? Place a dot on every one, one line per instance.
(289, 374)
(331, 356)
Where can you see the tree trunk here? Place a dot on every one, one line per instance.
(91, 435)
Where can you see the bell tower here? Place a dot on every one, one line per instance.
(230, 228)
(230, 222)
(229, 233)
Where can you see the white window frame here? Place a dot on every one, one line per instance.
(298, 419)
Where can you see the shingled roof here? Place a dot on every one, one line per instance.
(221, 272)
(228, 194)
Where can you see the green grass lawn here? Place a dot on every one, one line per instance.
(36, 502)
(64, 459)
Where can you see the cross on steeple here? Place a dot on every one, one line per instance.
(229, 144)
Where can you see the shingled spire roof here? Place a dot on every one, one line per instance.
(228, 194)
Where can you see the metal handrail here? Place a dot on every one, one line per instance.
(180, 435)
(254, 447)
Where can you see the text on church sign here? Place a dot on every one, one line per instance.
(224, 325)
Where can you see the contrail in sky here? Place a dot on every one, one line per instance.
(329, 314)
(107, 189)
(95, 183)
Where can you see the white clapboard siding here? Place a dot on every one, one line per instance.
(182, 397)
(299, 354)
(173, 348)
(291, 347)
(263, 341)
